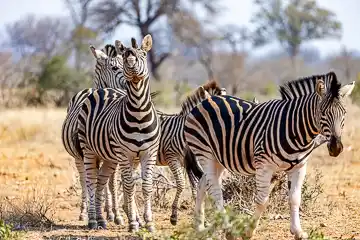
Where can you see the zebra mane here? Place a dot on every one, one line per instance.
(212, 87)
(110, 50)
(307, 85)
(193, 99)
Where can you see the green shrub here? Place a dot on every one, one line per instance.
(270, 89)
(6, 232)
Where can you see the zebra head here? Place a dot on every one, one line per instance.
(108, 68)
(331, 110)
(135, 59)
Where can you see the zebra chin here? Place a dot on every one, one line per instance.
(335, 146)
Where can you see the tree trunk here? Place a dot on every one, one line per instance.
(293, 53)
(293, 66)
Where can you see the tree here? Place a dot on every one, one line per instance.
(192, 33)
(31, 35)
(148, 16)
(346, 63)
(35, 40)
(81, 34)
(293, 23)
(232, 65)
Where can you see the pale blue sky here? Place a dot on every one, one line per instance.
(238, 12)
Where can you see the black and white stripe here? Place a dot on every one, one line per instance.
(225, 132)
(172, 142)
(118, 130)
(108, 73)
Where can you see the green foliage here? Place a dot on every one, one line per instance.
(229, 223)
(56, 76)
(355, 94)
(6, 232)
(315, 234)
(249, 96)
(269, 90)
(293, 22)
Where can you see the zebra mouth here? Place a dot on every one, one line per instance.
(335, 146)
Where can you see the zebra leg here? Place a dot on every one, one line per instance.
(176, 169)
(91, 168)
(147, 165)
(125, 208)
(108, 203)
(106, 170)
(81, 169)
(113, 185)
(199, 219)
(296, 178)
(129, 196)
(193, 191)
(263, 183)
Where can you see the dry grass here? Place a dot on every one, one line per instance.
(32, 157)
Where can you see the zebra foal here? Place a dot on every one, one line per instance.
(225, 132)
(118, 129)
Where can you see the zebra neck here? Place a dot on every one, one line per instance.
(189, 104)
(138, 95)
(304, 125)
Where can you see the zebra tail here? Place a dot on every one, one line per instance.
(76, 142)
(192, 167)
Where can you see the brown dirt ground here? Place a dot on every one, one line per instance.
(32, 157)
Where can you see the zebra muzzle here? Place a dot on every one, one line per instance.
(131, 60)
(335, 146)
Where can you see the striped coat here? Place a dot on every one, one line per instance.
(117, 130)
(277, 135)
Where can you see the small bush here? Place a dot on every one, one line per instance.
(7, 233)
(33, 211)
(311, 190)
(217, 228)
(239, 192)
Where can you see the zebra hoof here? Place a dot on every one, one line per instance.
(301, 236)
(119, 221)
(134, 227)
(150, 228)
(110, 217)
(173, 220)
(140, 223)
(92, 224)
(82, 217)
(101, 224)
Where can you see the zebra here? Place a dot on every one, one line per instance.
(108, 73)
(225, 132)
(118, 129)
(172, 141)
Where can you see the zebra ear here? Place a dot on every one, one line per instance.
(146, 43)
(320, 87)
(99, 55)
(255, 100)
(347, 89)
(119, 47)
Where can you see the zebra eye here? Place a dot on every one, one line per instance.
(114, 68)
